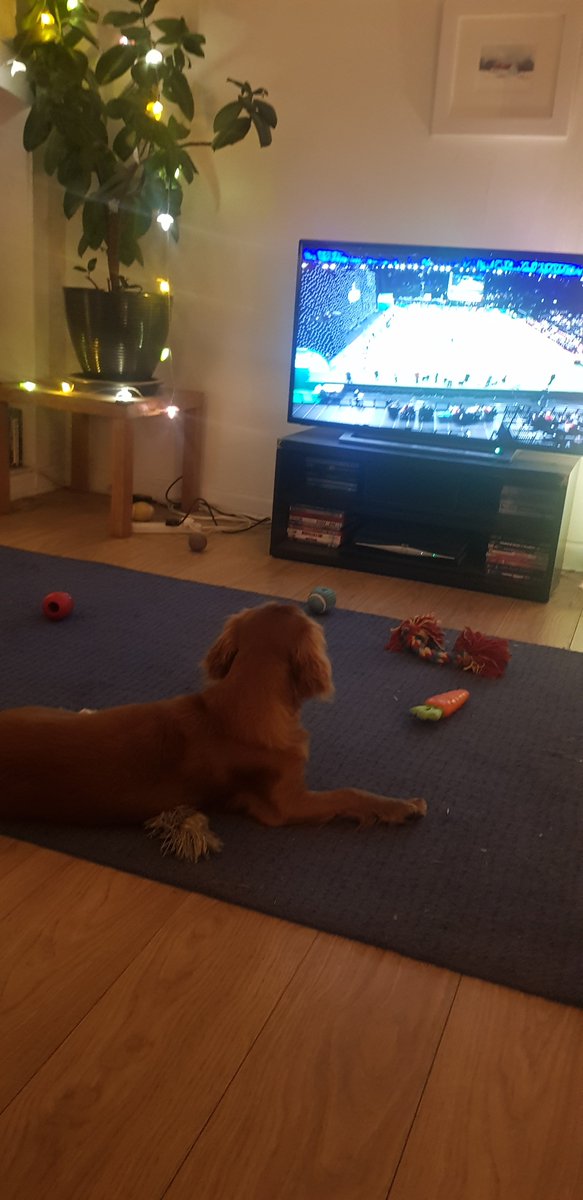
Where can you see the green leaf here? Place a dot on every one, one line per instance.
(71, 202)
(179, 58)
(176, 130)
(83, 29)
(142, 219)
(118, 18)
(148, 7)
(145, 75)
(137, 33)
(124, 143)
(94, 223)
(234, 133)
(129, 248)
(115, 62)
(72, 37)
(226, 115)
(118, 108)
(174, 29)
(91, 265)
(176, 88)
(263, 131)
(193, 44)
(266, 112)
(55, 151)
(81, 269)
(37, 127)
(187, 166)
(82, 248)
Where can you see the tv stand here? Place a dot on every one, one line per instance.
(354, 437)
(486, 523)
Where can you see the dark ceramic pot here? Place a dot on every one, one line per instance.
(117, 335)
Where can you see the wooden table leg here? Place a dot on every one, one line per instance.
(80, 452)
(122, 476)
(4, 459)
(191, 456)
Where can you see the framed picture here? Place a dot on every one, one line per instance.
(507, 66)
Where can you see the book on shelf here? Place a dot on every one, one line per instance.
(315, 523)
(318, 526)
(317, 517)
(519, 574)
(523, 501)
(316, 537)
(519, 554)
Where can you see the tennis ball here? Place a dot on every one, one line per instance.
(142, 511)
(321, 600)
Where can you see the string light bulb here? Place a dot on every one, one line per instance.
(72, 5)
(165, 353)
(171, 411)
(27, 385)
(154, 57)
(16, 66)
(66, 386)
(163, 286)
(155, 108)
(165, 220)
(124, 394)
(46, 19)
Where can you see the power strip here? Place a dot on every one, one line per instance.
(187, 526)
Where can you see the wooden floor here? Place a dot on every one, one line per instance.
(157, 1044)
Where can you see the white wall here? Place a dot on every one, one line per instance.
(352, 158)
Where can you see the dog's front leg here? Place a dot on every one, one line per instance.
(353, 804)
(289, 802)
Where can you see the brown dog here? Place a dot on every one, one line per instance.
(238, 745)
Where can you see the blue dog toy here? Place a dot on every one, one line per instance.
(321, 600)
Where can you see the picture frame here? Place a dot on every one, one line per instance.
(507, 67)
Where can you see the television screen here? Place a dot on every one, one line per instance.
(478, 349)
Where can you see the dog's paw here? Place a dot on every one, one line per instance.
(416, 809)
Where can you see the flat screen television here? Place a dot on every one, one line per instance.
(468, 349)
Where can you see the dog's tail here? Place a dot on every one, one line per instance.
(185, 833)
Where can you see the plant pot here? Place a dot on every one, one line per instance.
(117, 335)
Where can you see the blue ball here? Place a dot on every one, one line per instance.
(321, 600)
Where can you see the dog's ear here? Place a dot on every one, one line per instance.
(220, 657)
(310, 665)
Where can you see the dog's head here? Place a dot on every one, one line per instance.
(280, 633)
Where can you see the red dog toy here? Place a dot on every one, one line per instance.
(57, 605)
(473, 652)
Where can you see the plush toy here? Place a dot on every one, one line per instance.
(443, 705)
(474, 652)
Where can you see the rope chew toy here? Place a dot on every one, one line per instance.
(474, 652)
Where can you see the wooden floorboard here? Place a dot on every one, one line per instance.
(155, 1044)
(23, 869)
(61, 948)
(324, 1102)
(116, 1109)
(502, 1114)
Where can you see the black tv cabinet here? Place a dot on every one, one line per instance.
(458, 509)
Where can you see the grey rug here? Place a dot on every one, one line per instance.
(490, 883)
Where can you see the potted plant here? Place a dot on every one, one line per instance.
(111, 109)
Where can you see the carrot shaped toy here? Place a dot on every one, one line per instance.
(442, 705)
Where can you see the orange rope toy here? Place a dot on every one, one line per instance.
(474, 652)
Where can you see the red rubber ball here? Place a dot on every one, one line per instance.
(57, 605)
